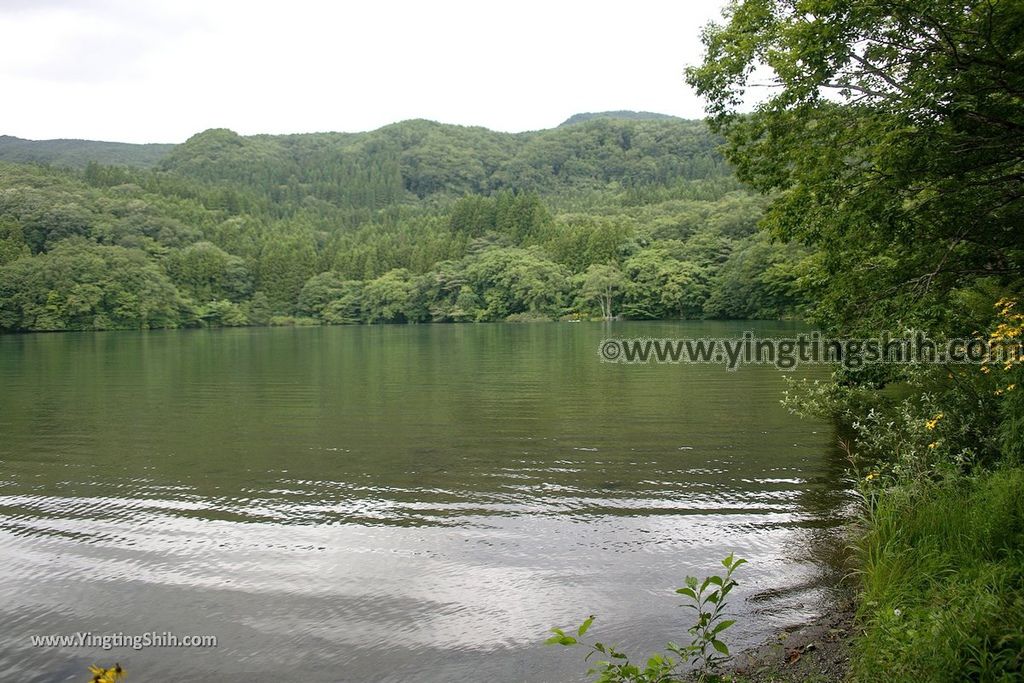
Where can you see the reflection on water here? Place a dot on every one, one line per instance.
(392, 503)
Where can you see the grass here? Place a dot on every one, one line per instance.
(942, 579)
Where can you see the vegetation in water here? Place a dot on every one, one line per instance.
(704, 652)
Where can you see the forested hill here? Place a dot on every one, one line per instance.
(421, 157)
(414, 222)
(424, 158)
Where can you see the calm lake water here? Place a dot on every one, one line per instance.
(393, 503)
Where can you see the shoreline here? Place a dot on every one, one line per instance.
(818, 650)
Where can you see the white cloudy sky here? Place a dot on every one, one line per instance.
(161, 70)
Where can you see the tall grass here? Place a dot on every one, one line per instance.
(942, 574)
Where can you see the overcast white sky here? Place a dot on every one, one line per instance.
(162, 70)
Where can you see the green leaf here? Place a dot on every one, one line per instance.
(720, 646)
(688, 592)
(722, 625)
(585, 625)
(560, 638)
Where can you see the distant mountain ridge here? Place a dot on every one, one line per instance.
(418, 158)
(78, 153)
(414, 159)
(624, 114)
(75, 153)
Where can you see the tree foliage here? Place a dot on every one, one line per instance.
(891, 139)
(81, 285)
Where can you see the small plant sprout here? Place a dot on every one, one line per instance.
(709, 601)
(705, 651)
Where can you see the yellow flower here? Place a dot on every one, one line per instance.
(934, 444)
(1006, 305)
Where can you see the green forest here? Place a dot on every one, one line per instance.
(621, 214)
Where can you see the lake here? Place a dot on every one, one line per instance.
(395, 503)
